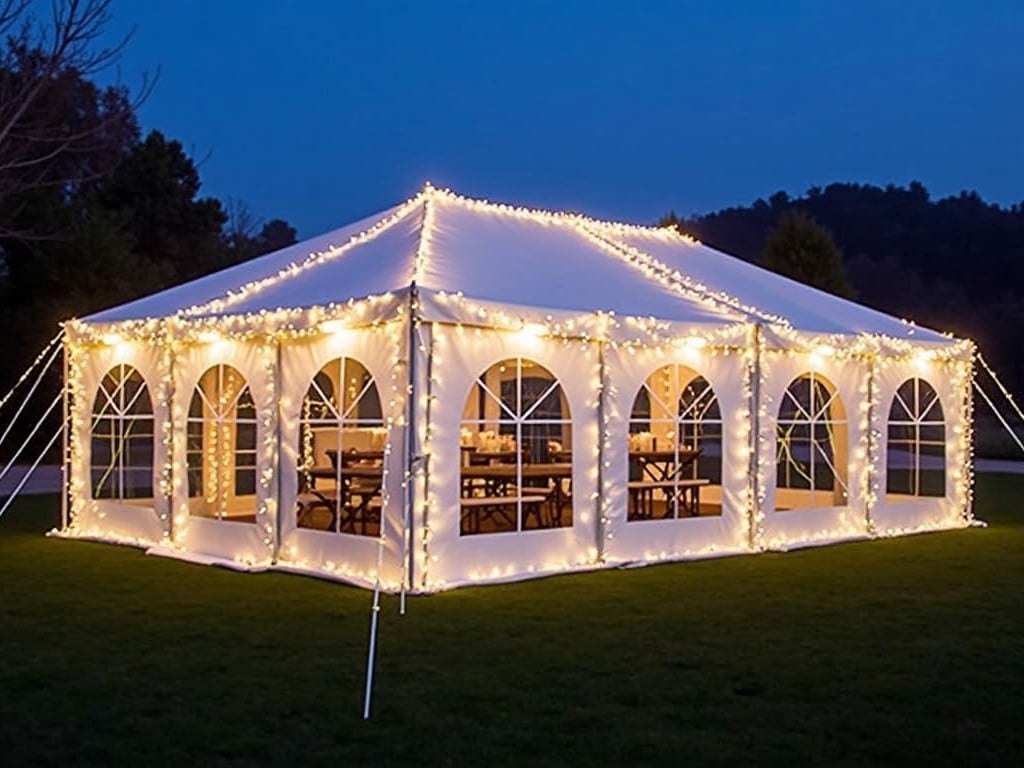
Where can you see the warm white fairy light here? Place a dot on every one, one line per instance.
(464, 319)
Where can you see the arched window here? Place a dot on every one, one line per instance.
(221, 448)
(516, 450)
(811, 446)
(916, 453)
(675, 446)
(121, 440)
(341, 448)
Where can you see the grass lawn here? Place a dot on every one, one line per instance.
(905, 651)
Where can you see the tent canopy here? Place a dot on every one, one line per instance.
(521, 258)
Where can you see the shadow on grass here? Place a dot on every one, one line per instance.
(903, 650)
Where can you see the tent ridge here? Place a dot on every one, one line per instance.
(425, 236)
(684, 284)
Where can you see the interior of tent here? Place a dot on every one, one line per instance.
(456, 391)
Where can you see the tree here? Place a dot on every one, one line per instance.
(50, 123)
(804, 250)
(155, 193)
(275, 235)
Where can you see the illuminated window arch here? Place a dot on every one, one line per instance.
(811, 445)
(221, 447)
(341, 448)
(121, 438)
(916, 448)
(516, 451)
(675, 446)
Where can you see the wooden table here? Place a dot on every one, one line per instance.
(341, 503)
(655, 466)
(475, 457)
(353, 456)
(660, 466)
(685, 493)
(497, 479)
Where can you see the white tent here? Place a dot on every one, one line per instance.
(456, 391)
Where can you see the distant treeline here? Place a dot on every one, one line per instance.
(955, 264)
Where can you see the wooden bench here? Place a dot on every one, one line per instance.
(363, 515)
(477, 508)
(641, 496)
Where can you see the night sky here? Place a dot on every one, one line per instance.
(320, 112)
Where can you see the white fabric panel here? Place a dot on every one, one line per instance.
(924, 513)
(251, 543)
(122, 521)
(495, 256)
(378, 266)
(341, 554)
(809, 524)
(448, 308)
(215, 286)
(808, 309)
(458, 361)
(650, 540)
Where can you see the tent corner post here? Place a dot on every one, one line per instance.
(65, 458)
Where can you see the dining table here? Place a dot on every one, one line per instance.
(500, 480)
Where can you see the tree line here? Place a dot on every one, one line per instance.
(954, 264)
(94, 211)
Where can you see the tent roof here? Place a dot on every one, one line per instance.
(516, 257)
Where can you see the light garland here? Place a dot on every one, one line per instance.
(739, 335)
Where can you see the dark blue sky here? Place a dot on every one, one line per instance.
(319, 112)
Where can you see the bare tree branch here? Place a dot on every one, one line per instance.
(47, 115)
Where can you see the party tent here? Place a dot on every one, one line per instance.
(456, 391)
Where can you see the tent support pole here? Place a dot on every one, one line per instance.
(277, 454)
(755, 440)
(602, 427)
(168, 406)
(408, 555)
(65, 458)
(872, 447)
(426, 457)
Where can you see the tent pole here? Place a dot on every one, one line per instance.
(755, 439)
(64, 457)
(428, 377)
(277, 454)
(410, 450)
(872, 447)
(602, 427)
(170, 459)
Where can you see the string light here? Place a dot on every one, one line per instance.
(755, 342)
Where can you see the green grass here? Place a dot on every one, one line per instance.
(898, 651)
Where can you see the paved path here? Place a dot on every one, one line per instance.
(46, 479)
